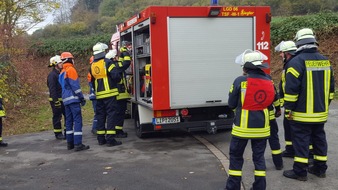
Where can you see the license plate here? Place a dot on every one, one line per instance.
(166, 120)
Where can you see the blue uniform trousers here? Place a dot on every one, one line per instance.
(73, 123)
(288, 136)
(274, 144)
(303, 134)
(120, 114)
(237, 147)
(106, 110)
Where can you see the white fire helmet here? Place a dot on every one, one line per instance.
(111, 54)
(286, 46)
(99, 48)
(54, 60)
(305, 36)
(252, 59)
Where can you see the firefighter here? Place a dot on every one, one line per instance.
(309, 89)
(274, 112)
(92, 98)
(2, 114)
(287, 51)
(250, 95)
(55, 97)
(105, 77)
(122, 99)
(73, 100)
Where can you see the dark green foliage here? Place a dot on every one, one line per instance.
(285, 28)
(78, 46)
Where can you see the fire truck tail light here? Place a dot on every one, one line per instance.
(165, 113)
(158, 127)
(184, 112)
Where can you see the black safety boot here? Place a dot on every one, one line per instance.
(3, 144)
(279, 167)
(314, 171)
(113, 143)
(121, 134)
(70, 146)
(291, 174)
(60, 136)
(80, 147)
(287, 154)
(102, 142)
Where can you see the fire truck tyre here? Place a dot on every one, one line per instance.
(138, 126)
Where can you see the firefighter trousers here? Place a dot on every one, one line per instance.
(275, 145)
(0, 129)
(302, 136)
(237, 147)
(106, 109)
(57, 117)
(120, 114)
(74, 123)
(288, 137)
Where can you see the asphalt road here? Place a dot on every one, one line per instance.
(166, 161)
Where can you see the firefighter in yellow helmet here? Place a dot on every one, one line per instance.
(250, 95)
(2, 114)
(55, 99)
(105, 76)
(309, 89)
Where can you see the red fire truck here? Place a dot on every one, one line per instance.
(183, 63)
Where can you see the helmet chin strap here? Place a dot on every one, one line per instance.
(284, 57)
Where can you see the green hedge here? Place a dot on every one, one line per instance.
(285, 28)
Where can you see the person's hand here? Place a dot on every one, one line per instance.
(288, 114)
(57, 104)
(277, 112)
(83, 102)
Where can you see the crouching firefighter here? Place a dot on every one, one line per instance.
(250, 95)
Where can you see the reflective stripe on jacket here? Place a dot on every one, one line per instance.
(309, 87)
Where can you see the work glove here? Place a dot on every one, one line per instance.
(277, 111)
(83, 102)
(57, 104)
(288, 114)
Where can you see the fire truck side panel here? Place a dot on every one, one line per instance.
(201, 58)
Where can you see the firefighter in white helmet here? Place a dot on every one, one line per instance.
(55, 97)
(309, 89)
(287, 50)
(105, 76)
(250, 95)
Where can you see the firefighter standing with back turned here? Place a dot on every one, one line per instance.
(287, 51)
(105, 77)
(309, 89)
(250, 95)
(55, 97)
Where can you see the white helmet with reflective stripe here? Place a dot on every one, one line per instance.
(99, 48)
(305, 36)
(286, 46)
(54, 60)
(254, 58)
(111, 54)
